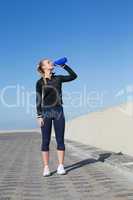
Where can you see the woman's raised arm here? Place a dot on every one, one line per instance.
(72, 75)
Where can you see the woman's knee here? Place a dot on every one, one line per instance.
(45, 147)
(45, 144)
(61, 145)
(61, 148)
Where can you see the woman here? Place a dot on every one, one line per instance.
(49, 107)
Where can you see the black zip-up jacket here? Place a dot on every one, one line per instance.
(50, 94)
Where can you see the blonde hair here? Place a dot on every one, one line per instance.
(39, 69)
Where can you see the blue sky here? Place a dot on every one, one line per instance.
(96, 36)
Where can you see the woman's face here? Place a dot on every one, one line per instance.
(47, 64)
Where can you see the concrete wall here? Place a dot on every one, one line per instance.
(110, 129)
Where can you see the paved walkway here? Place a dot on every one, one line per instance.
(87, 176)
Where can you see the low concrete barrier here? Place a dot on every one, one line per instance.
(110, 129)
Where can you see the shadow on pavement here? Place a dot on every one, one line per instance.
(82, 163)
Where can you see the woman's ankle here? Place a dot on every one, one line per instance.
(46, 166)
(60, 164)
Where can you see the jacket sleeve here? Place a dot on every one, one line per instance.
(72, 75)
(38, 99)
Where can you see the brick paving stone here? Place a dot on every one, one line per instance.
(88, 177)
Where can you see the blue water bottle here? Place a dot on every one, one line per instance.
(60, 61)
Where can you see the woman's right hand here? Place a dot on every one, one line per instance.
(40, 121)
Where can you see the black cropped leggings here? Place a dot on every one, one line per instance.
(56, 114)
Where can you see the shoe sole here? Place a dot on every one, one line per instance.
(61, 173)
(47, 175)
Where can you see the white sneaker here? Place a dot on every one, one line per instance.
(46, 171)
(60, 169)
